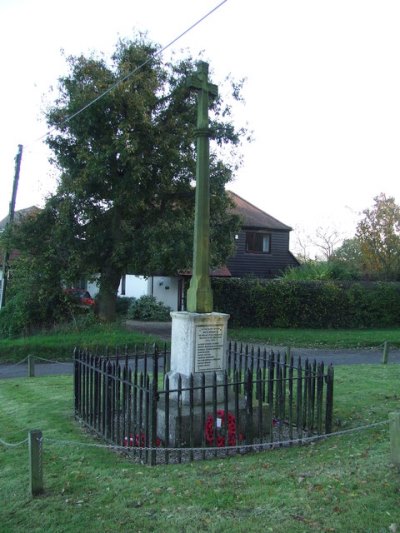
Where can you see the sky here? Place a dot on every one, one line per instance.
(322, 93)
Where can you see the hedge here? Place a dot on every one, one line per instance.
(308, 304)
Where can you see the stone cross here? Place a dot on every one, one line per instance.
(199, 297)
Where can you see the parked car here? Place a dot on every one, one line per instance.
(80, 297)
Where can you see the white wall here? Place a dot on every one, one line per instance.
(92, 288)
(165, 290)
(135, 287)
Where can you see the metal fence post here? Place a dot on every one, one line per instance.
(329, 400)
(35, 462)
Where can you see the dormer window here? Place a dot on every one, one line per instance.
(258, 242)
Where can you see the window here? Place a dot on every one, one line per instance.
(123, 285)
(259, 243)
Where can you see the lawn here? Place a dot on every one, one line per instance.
(345, 483)
(59, 345)
(318, 338)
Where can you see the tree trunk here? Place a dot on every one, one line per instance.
(107, 298)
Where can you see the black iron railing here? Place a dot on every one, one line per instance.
(261, 398)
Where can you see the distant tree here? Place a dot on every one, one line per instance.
(324, 241)
(349, 251)
(125, 197)
(378, 234)
(302, 246)
(348, 259)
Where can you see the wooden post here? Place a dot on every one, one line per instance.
(385, 354)
(31, 366)
(35, 462)
(394, 428)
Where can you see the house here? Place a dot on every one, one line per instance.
(262, 245)
(262, 250)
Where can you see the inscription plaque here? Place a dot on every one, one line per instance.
(209, 348)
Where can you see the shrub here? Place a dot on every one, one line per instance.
(308, 304)
(333, 269)
(148, 308)
(311, 270)
(123, 304)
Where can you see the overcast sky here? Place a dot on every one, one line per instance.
(322, 92)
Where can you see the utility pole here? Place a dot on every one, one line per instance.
(11, 213)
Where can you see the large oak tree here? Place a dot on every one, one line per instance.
(127, 165)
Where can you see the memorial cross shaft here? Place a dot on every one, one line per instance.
(199, 298)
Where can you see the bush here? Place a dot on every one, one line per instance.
(311, 270)
(322, 271)
(27, 312)
(148, 308)
(123, 304)
(308, 304)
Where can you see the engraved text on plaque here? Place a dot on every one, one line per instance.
(209, 348)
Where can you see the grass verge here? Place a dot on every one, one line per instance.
(318, 338)
(60, 345)
(344, 483)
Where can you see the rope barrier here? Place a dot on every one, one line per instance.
(13, 445)
(35, 358)
(17, 432)
(258, 446)
(19, 362)
(53, 361)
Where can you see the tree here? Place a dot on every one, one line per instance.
(326, 240)
(127, 164)
(348, 259)
(378, 234)
(35, 299)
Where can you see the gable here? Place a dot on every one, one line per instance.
(253, 217)
(20, 215)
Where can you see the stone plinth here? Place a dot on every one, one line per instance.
(190, 426)
(199, 348)
(198, 345)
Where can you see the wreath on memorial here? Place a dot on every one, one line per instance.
(221, 430)
(138, 441)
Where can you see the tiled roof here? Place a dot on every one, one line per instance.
(253, 217)
(221, 272)
(19, 215)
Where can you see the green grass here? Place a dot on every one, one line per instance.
(59, 345)
(345, 483)
(318, 338)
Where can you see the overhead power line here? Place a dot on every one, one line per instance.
(127, 76)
